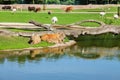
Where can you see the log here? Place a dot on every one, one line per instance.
(70, 30)
(45, 26)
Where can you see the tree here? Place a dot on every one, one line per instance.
(33, 1)
(118, 1)
(70, 1)
(53, 1)
(67, 1)
(0, 1)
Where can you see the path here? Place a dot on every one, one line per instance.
(63, 12)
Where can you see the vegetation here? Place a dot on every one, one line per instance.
(102, 40)
(60, 1)
(63, 19)
(12, 42)
(90, 24)
(38, 1)
(8, 42)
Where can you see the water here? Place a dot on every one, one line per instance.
(78, 62)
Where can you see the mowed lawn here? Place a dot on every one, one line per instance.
(10, 42)
(63, 18)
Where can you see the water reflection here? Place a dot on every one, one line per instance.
(75, 51)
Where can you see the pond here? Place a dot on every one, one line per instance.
(78, 62)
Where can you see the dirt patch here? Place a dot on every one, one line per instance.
(25, 6)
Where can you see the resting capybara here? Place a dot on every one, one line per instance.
(53, 38)
(35, 39)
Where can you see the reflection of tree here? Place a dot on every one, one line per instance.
(13, 56)
(58, 53)
(102, 40)
(87, 56)
(118, 56)
(109, 57)
(21, 59)
(48, 53)
(2, 60)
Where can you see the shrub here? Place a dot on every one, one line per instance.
(108, 21)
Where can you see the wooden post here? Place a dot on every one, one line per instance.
(33, 1)
(44, 4)
(118, 11)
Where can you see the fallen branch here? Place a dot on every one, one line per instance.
(45, 26)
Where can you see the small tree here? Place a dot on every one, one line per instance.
(33, 1)
(118, 1)
(53, 1)
(0, 1)
(68, 2)
(44, 4)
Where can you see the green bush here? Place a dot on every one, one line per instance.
(67, 2)
(53, 1)
(108, 21)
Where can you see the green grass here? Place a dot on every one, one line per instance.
(66, 39)
(90, 24)
(63, 18)
(8, 42)
(12, 42)
(56, 10)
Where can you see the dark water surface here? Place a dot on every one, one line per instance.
(79, 62)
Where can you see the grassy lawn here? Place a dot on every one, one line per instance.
(63, 18)
(12, 42)
(89, 24)
(8, 42)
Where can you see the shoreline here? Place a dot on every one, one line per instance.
(66, 44)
